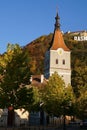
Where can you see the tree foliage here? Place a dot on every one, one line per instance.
(82, 105)
(15, 72)
(79, 78)
(56, 96)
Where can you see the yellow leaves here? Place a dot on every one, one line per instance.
(33, 66)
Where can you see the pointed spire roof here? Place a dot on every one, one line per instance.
(58, 41)
(57, 24)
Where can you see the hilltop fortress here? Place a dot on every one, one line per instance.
(78, 35)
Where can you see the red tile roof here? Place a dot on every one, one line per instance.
(58, 41)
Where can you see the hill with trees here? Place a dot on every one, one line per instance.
(38, 47)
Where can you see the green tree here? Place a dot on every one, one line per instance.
(82, 104)
(57, 96)
(79, 78)
(16, 75)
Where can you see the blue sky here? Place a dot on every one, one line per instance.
(22, 21)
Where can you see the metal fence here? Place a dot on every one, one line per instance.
(32, 128)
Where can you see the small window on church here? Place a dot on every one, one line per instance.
(56, 61)
(63, 62)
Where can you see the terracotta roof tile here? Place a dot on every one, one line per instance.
(58, 41)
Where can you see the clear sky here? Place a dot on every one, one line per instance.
(22, 21)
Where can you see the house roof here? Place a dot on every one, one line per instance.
(38, 80)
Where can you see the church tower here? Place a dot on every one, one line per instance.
(58, 57)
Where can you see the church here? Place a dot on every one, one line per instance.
(58, 58)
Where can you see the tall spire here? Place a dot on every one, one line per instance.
(57, 23)
(58, 41)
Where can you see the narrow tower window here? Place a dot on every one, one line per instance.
(56, 61)
(63, 62)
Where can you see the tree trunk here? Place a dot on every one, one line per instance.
(10, 121)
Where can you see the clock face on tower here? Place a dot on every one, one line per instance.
(60, 51)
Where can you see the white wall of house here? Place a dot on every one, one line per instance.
(21, 117)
